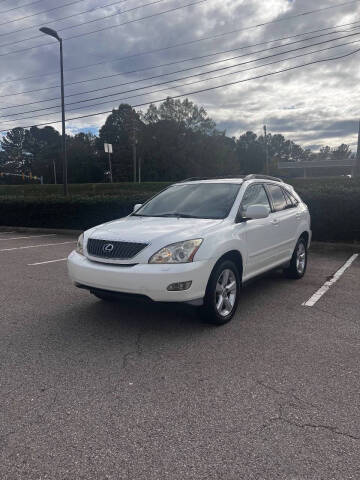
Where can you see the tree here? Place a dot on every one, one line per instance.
(342, 152)
(251, 153)
(44, 145)
(185, 112)
(83, 159)
(122, 128)
(13, 146)
(325, 153)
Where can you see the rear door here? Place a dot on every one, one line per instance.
(284, 219)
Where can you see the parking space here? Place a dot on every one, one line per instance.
(142, 391)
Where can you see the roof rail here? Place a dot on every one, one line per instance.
(262, 177)
(211, 178)
(191, 179)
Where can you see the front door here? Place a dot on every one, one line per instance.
(258, 233)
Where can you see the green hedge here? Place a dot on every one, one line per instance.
(334, 208)
(83, 189)
(77, 213)
(334, 216)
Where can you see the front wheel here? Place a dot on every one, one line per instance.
(222, 294)
(298, 262)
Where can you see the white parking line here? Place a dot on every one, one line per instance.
(322, 290)
(35, 246)
(31, 236)
(5, 233)
(49, 261)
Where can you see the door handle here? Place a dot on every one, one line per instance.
(298, 216)
(275, 221)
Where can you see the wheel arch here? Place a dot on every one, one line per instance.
(305, 235)
(233, 255)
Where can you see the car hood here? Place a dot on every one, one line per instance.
(149, 229)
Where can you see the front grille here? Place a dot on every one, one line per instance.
(114, 250)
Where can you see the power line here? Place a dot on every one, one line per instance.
(109, 27)
(163, 89)
(40, 13)
(191, 59)
(182, 78)
(184, 70)
(21, 6)
(190, 42)
(48, 22)
(88, 21)
(201, 90)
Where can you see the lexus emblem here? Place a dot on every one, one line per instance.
(108, 248)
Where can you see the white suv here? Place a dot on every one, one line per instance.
(197, 241)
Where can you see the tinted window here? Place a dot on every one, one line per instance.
(277, 197)
(196, 200)
(293, 200)
(254, 195)
(289, 201)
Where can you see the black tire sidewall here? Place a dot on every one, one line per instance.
(293, 271)
(209, 311)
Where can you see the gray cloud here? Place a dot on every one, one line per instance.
(316, 105)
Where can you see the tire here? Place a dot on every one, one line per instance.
(214, 310)
(298, 262)
(107, 297)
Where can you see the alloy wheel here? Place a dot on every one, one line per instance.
(226, 291)
(300, 258)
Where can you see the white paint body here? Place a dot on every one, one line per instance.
(262, 243)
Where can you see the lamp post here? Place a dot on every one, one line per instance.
(53, 33)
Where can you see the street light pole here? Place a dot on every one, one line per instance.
(54, 34)
(63, 120)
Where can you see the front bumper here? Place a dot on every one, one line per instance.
(150, 280)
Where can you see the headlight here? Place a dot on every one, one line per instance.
(80, 244)
(181, 252)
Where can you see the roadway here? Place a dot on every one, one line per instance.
(94, 390)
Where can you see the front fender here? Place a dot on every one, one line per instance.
(217, 245)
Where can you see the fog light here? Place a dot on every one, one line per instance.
(175, 287)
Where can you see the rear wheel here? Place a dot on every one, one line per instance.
(298, 263)
(222, 294)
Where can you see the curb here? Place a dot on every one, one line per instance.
(354, 247)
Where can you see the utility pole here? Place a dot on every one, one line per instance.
(266, 152)
(134, 147)
(356, 168)
(55, 179)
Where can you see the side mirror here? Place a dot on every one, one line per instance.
(137, 206)
(257, 211)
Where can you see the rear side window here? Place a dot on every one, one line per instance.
(254, 195)
(277, 197)
(290, 202)
(290, 198)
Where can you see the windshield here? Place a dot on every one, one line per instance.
(196, 200)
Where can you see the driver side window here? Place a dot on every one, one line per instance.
(254, 195)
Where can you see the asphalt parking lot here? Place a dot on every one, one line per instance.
(91, 390)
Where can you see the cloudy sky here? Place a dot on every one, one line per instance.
(150, 49)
